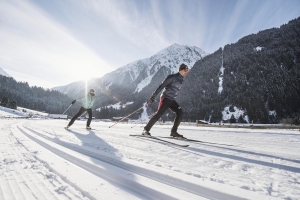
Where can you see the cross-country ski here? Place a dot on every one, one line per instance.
(161, 140)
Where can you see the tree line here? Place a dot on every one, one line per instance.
(13, 94)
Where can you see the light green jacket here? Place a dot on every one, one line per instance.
(87, 101)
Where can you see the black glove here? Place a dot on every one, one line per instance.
(73, 101)
(151, 100)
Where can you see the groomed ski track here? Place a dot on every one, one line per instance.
(196, 191)
(128, 178)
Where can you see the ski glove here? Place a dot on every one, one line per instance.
(151, 100)
(73, 101)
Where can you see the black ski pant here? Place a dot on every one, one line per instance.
(163, 106)
(80, 112)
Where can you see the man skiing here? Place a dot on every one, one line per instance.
(87, 104)
(171, 86)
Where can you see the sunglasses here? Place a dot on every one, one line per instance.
(186, 70)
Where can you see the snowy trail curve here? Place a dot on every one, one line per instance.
(138, 188)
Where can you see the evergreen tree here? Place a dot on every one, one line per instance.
(12, 104)
(4, 101)
(232, 119)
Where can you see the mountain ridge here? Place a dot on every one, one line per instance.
(137, 75)
(4, 73)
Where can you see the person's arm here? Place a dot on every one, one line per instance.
(166, 82)
(74, 101)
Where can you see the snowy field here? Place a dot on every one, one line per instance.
(39, 159)
(20, 112)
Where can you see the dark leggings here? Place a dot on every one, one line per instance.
(80, 112)
(164, 105)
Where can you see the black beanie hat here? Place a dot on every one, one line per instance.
(182, 67)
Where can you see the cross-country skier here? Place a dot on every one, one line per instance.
(171, 86)
(87, 103)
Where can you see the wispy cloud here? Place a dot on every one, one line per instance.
(125, 19)
(233, 22)
(36, 46)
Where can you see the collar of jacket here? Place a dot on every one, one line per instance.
(180, 75)
(89, 94)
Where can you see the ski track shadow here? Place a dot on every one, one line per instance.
(251, 132)
(139, 190)
(86, 139)
(232, 130)
(248, 160)
(253, 153)
(89, 152)
(257, 132)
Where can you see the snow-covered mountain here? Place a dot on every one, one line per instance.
(141, 72)
(138, 76)
(3, 73)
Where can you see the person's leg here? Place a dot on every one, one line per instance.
(89, 111)
(164, 104)
(179, 113)
(81, 110)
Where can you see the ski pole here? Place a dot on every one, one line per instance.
(82, 114)
(143, 120)
(127, 116)
(67, 108)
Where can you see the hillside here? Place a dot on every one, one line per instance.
(36, 98)
(259, 75)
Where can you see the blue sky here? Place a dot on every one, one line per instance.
(52, 43)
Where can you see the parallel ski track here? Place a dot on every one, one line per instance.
(197, 141)
(163, 178)
(147, 192)
(28, 184)
(156, 139)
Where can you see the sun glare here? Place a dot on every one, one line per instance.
(86, 80)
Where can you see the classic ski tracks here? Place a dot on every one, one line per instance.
(129, 184)
(197, 141)
(157, 139)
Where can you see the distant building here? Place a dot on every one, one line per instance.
(119, 118)
(201, 122)
(105, 120)
(58, 116)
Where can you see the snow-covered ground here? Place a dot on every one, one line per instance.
(20, 112)
(39, 159)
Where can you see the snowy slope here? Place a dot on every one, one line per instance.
(3, 73)
(141, 72)
(41, 160)
(20, 112)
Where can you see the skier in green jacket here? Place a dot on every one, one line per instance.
(87, 103)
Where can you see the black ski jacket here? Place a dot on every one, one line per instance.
(171, 85)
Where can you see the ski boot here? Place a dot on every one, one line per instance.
(88, 128)
(146, 133)
(177, 135)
